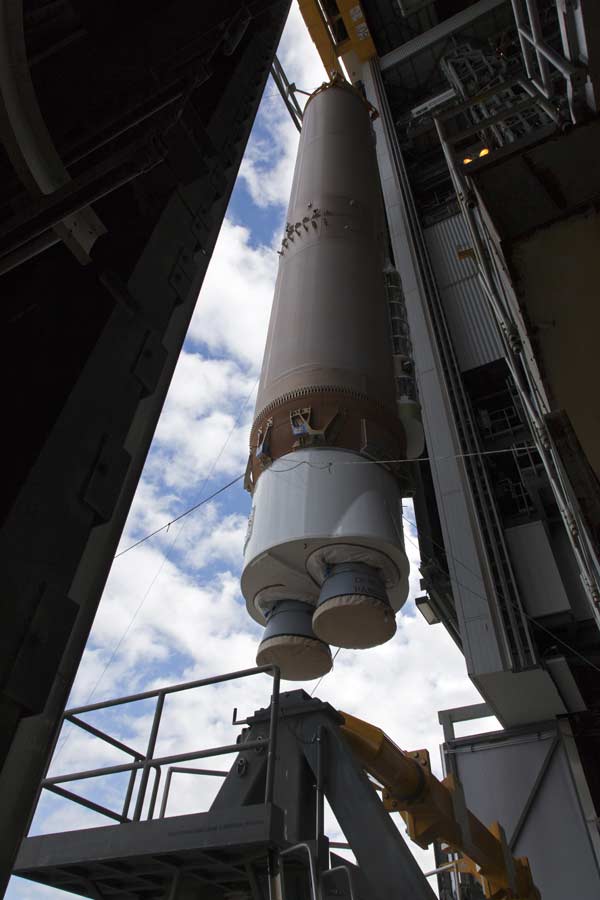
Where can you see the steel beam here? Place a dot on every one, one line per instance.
(447, 717)
(287, 92)
(26, 138)
(382, 855)
(439, 33)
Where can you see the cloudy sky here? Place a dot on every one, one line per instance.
(172, 609)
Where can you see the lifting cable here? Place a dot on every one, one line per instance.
(311, 465)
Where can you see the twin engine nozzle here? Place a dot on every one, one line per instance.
(352, 611)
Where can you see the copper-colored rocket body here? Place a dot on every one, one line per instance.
(326, 526)
(328, 347)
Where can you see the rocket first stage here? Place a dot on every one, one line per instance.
(324, 559)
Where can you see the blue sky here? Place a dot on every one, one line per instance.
(172, 609)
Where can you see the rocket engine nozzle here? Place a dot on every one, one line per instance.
(353, 609)
(290, 643)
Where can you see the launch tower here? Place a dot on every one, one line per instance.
(487, 144)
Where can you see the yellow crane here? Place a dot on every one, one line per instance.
(435, 810)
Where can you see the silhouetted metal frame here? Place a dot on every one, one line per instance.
(145, 762)
(310, 739)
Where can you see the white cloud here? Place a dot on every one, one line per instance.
(202, 384)
(215, 538)
(190, 449)
(202, 434)
(268, 164)
(183, 612)
(298, 54)
(233, 309)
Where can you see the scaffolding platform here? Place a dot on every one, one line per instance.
(220, 848)
(264, 834)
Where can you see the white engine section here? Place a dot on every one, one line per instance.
(316, 507)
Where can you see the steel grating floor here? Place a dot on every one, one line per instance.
(222, 850)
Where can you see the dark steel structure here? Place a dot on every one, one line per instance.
(123, 126)
(264, 833)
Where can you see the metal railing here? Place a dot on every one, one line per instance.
(312, 869)
(347, 872)
(145, 762)
(216, 773)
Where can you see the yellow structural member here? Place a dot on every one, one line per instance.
(435, 810)
(339, 31)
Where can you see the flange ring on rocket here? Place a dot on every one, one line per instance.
(325, 542)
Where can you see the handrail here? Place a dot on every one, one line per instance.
(145, 761)
(345, 869)
(170, 772)
(311, 867)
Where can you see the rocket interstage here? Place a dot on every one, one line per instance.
(324, 559)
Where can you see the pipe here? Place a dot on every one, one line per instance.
(147, 761)
(311, 866)
(272, 751)
(172, 689)
(219, 773)
(159, 761)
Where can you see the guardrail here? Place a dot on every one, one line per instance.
(145, 762)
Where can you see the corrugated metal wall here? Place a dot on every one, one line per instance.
(473, 329)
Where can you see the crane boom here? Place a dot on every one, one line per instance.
(435, 810)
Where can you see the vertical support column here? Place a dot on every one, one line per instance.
(273, 726)
(320, 798)
(149, 754)
(485, 649)
(383, 857)
(294, 786)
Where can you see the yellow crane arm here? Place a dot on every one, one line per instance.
(435, 810)
(339, 30)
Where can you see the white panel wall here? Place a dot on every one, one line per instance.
(532, 783)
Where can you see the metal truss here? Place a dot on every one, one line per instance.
(263, 837)
(451, 136)
(544, 64)
(147, 762)
(506, 107)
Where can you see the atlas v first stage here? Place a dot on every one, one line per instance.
(324, 559)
